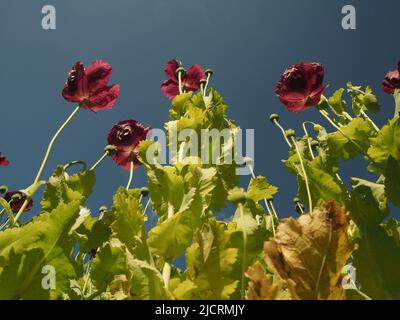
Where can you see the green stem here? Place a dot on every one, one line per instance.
(370, 120)
(146, 206)
(99, 161)
(308, 139)
(283, 132)
(244, 252)
(304, 173)
(166, 273)
(46, 157)
(130, 176)
(180, 82)
(205, 87)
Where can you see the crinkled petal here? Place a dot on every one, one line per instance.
(17, 204)
(3, 160)
(170, 89)
(193, 77)
(105, 98)
(391, 82)
(74, 88)
(170, 69)
(97, 75)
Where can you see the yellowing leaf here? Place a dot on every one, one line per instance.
(310, 252)
(262, 286)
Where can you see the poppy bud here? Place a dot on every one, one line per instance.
(274, 117)
(271, 198)
(248, 161)
(110, 149)
(144, 191)
(237, 196)
(202, 83)
(103, 209)
(290, 133)
(3, 189)
(314, 144)
(208, 73)
(180, 71)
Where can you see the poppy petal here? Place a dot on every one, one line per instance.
(97, 75)
(170, 69)
(193, 77)
(73, 90)
(105, 98)
(170, 89)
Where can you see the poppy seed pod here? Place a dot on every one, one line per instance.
(290, 133)
(209, 73)
(274, 117)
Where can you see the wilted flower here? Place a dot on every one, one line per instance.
(392, 80)
(190, 79)
(16, 199)
(126, 136)
(89, 86)
(3, 160)
(300, 86)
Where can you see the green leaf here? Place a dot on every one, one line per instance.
(24, 251)
(210, 261)
(259, 189)
(337, 104)
(63, 188)
(362, 100)
(323, 186)
(128, 225)
(170, 237)
(392, 180)
(91, 233)
(359, 131)
(110, 261)
(376, 261)
(386, 144)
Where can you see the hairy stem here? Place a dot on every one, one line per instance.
(304, 173)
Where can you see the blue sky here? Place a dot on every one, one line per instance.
(247, 43)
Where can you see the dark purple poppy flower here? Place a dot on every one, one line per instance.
(19, 200)
(3, 160)
(392, 80)
(89, 86)
(300, 86)
(126, 136)
(190, 80)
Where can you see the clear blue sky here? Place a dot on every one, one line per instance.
(247, 43)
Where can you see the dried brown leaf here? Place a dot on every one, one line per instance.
(310, 252)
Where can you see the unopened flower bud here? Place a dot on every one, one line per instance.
(3, 189)
(208, 73)
(110, 149)
(180, 71)
(144, 191)
(290, 133)
(274, 117)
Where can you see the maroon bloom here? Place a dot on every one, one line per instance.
(16, 199)
(300, 86)
(126, 136)
(190, 79)
(3, 160)
(89, 86)
(392, 80)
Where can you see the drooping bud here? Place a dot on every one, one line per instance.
(274, 117)
(144, 191)
(110, 149)
(290, 133)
